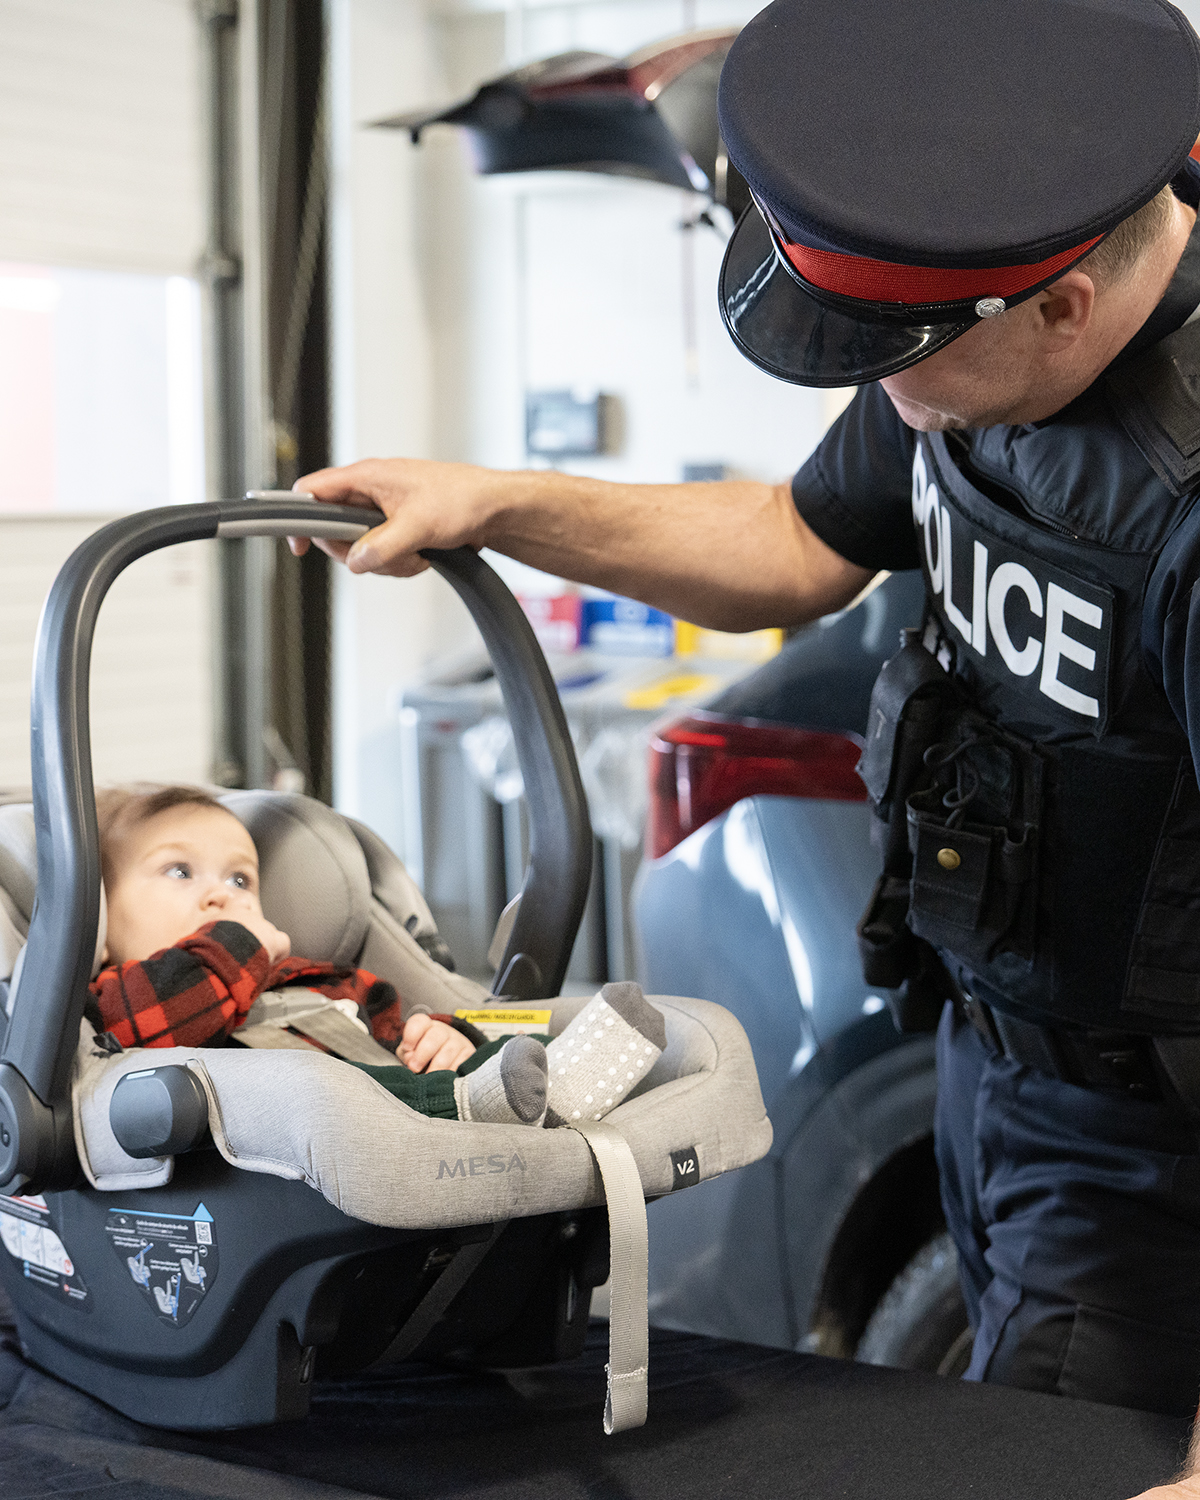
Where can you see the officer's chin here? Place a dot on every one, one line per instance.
(917, 415)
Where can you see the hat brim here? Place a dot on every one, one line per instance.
(788, 333)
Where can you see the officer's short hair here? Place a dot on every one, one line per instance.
(1117, 254)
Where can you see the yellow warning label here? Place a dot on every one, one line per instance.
(656, 694)
(494, 1015)
(750, 645)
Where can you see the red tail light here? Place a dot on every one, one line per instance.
(703, 764)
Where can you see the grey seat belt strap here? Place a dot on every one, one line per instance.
(628, 1331)
(313, 1015)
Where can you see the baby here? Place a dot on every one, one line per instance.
(189, 951)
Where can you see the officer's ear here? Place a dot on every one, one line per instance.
(1062, 311)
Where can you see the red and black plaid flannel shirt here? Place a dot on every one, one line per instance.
(197, 993)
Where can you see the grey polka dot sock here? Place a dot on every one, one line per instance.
(508, 1089)
(612, 1043)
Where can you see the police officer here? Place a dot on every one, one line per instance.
(983, 215)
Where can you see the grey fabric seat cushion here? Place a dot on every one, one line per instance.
(311, 1118)
(18, 886)
(343, 897)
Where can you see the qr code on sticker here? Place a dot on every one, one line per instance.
(203, 1234)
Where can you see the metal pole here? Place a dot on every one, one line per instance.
(220, 275)
(237, 415)
(258, 571)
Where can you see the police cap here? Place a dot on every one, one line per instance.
(920, 164)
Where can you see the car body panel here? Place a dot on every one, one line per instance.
(757, 911)
(768, 895)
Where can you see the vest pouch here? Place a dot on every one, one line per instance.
(973, 877)
(886, 944)
(971, 907)
(910, 697)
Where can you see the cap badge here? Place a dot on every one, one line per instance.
(989, 307)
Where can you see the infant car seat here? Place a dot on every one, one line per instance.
(281, 1214)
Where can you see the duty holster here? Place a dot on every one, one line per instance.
(955, 804)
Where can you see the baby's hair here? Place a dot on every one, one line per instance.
(121, 809)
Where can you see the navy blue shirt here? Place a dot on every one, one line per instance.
(856, 489)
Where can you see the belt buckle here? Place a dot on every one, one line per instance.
(1130, 1070)
(1112, 1062)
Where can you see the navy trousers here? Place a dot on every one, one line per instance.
(1077, 1221)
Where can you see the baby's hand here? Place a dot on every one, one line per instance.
(428, 1046)
(277, 944)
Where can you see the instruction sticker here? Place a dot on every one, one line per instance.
(496, 1021)
(28, 1237)
(170, 1258)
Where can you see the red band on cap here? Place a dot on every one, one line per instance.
(884, 281)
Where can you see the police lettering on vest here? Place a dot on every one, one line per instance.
(1046, 630)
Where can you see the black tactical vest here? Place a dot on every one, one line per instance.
(1040, 546)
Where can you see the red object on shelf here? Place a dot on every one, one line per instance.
(702, 764)
(556, 620)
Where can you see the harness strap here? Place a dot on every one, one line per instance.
(277, 1015)
(628, 1325)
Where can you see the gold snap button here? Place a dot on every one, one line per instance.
(949, 859)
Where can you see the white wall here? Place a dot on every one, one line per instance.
(101, 228)
(384, 631)
(101, 134)
(151, 710)
(456, 293)
(565, 279)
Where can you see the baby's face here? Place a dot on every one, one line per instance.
(177, 871)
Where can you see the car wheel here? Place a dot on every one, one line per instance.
(920, 1322)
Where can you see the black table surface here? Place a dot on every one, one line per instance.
(727, 1422)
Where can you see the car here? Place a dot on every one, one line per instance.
(758, 866)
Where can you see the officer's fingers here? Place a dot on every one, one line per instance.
(394, 547)
(384, 482)
(427, 504)
(336, 550)
(338, 486)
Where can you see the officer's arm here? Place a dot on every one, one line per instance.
(733, 555)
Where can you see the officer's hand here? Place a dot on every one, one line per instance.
(427, 505)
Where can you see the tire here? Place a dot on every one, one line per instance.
(920, 1322)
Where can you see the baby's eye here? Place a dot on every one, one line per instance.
(178, 871)
(240, 881)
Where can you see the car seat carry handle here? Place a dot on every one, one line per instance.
(47, 997)
(560, 832)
